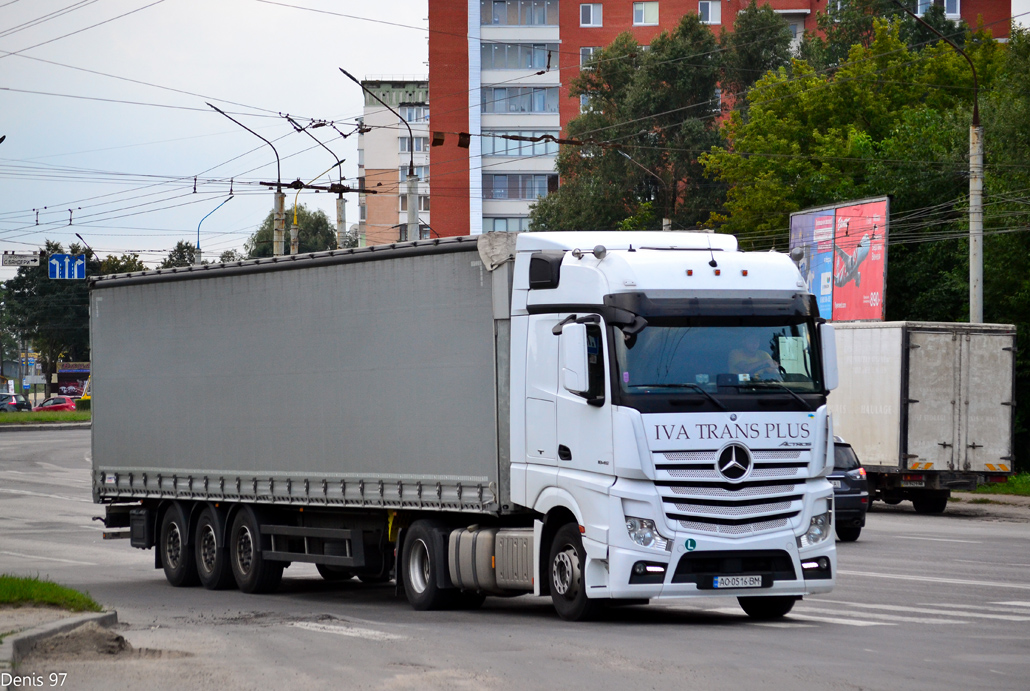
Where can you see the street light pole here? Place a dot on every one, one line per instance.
(976, 187)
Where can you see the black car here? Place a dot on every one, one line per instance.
(14, 402)
(850, 492)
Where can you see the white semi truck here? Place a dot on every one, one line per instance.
(598, 417)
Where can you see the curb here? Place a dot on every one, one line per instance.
(17, 646)
(42, 426)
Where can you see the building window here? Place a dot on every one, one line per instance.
(518, 12)
(951, 8)
(591, 15)
(519, 99)
(361, 157)
(415, 113)
(421, 144)
(495, 145)
(710, 11)
(717, 101)
(506, 225)
(586, 53)
(423, 202)
(421, 171)
(518, 185)
(584, 102)
(362, 212)
(518, 56)
(645, 13)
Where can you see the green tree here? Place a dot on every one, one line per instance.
(650, 113)
(126, 263)
(759, 42)
(183, 254)
(229, 256)
(315, 234)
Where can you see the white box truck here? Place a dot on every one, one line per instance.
(927, 406)
(598, 417)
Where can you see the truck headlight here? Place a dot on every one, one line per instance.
(818, 530)
(643, 532)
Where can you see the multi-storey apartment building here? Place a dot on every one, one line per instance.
(504, 66)
(384, 153)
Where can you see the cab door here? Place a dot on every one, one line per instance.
(584, 421)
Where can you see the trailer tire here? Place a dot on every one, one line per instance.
(212, 557)
(765, 608)
(253, 573)
(421, 558)
(930, 503)
(565, 575)
(334, 574)
(176, 556)
(848, 533)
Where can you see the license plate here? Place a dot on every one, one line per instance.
(836, 484)
(913, 483)
(737, 582)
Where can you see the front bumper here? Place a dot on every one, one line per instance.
(850, 510)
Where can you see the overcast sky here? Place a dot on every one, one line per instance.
(126, 169)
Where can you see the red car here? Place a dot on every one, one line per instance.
(55, 404)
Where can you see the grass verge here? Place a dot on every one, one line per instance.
(1017, 484)
(32, 418)
(16, 590)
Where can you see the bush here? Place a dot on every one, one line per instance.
(81, 404)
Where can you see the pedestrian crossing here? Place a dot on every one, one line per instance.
(818, 611)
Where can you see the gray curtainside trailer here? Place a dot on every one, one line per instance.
(368, 378)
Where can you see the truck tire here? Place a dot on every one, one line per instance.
(253, 573)
(565, 575)
(930, 503)
(334, 574)
(212, 557)
(848, 533)
(765, 608)
(421, 558)
(176, 556)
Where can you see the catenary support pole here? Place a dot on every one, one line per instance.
(279, 229)
(341, 221)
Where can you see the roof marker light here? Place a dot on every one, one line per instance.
(690, 272)
(743, 272)
(718, 272)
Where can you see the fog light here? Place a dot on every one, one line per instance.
(818, 531)
(643, 532)
(639, 568)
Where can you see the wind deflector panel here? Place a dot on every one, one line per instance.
(545, 269)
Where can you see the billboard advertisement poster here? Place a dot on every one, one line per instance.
(859, 262)
(813, 233)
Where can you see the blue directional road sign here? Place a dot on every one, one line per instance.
(67, 266)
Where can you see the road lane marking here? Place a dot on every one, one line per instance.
(927, 610)
(979, 608)
(802, 617)
(63, 561)
(936, 539)
(974, 561)
(886, 617)
(25, 492)
(1014, 603)
(353, 632)
(932, 579)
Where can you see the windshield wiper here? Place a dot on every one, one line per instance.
(689, 385)
(780, 385)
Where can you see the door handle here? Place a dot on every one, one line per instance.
(944, 444)
(974, 445)
(564, 453)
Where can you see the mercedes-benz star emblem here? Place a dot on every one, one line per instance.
(734, 462)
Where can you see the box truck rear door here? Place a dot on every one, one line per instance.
(933, 379)
(987, 362)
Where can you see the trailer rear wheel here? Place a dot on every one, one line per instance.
(176, 555)
(765, 608)
(565, 574)
(422, 561)
(253, 573)
(211, 555)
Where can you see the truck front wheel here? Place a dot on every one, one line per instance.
(176, 556)
(765, 608)
(253, 573)
(565, 574)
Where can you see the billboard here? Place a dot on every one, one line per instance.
(844, 257)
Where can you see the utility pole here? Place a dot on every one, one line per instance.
(280, 197)
(341, 220)
(412, 230)
(341, 203)
(976, 188)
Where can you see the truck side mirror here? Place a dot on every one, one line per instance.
(828, 339)
(574, 372)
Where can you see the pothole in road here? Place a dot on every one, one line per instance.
(93, 642)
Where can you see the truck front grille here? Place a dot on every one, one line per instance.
(698, 498)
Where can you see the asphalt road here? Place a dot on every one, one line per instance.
(937, 602)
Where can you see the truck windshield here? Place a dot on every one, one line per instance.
(696, 356)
